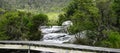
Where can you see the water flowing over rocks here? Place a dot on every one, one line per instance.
(50, 29)
(56, 34)
(56, 37)
(59, 34)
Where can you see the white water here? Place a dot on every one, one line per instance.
(56, 34)
(56, 37)
(50, 29)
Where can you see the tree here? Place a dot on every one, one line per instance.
(93, 16)
(116, 9)
(83, 13)
(34, 24)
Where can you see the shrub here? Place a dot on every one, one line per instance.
(40, 19)
(113, 40)
(17, 25)
(33, 25)
(62, 18)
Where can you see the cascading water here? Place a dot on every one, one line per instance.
(56, 34)
(56, 38)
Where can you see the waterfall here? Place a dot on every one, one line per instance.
(56, 34)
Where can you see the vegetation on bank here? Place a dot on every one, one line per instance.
(99, 18)
(34, 6)
(52, 8)
(17, 25)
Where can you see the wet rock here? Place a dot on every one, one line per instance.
(67, 23)
(56, 37)
(52, 29)
(80, 35)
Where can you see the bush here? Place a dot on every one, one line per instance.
(86, 38)
(16, 25)
(10, 25)
(113, 40)
(40, 19)
(33, 25)
(62, 18)
(82, 41)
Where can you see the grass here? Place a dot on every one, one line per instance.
(52, 15)
(53, 18)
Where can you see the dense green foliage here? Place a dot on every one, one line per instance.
(100, 18)
(34, 6)
(16, 25)
(116, 9)
(113, 40)
(52, 8)
(36, 21)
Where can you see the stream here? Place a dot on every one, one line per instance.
(56, 34)
(52, 34)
